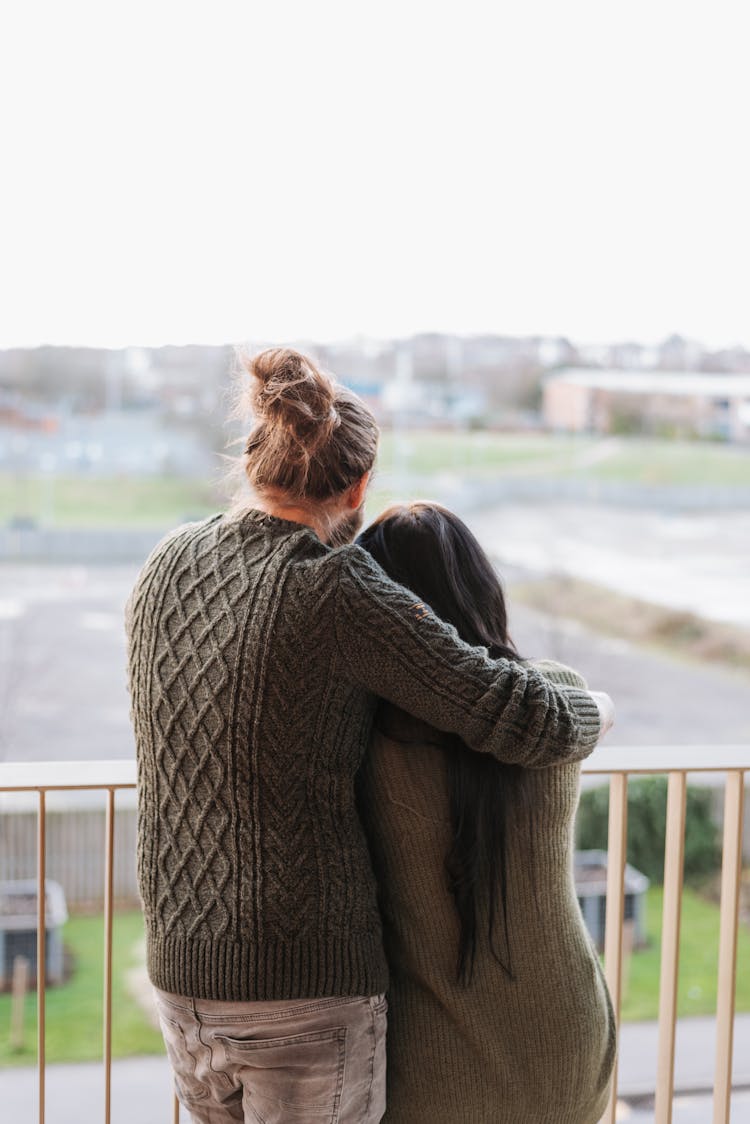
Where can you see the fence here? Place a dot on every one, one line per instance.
(75, 857)
(617, 763)
(76, 860)
(72, 544)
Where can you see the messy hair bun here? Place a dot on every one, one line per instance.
(288, 390)
(312, 438)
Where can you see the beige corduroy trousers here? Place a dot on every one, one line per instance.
(317, 1061)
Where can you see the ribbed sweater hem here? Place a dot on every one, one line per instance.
(274, 970)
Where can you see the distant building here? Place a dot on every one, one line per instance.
(697, 404)
(114, 443)
(424, 403)
(679, 354)
(590, 874)
(17, 414)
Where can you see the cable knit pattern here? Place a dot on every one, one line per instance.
(256, 654)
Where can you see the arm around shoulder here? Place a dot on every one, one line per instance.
(392, 644)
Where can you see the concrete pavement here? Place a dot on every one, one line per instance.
(695, 1056)
(141, 1092)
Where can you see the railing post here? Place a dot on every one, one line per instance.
(616, 860)
(108, 907)
(731, 872)
(41, 949)
(674, 855)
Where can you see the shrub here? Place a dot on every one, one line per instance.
(647, 821)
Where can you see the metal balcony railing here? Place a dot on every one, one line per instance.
(615, 762)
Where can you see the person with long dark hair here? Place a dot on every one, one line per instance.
(499, 1012)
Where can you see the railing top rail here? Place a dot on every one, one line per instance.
(65, 775)
(606, 759)
(667, 759)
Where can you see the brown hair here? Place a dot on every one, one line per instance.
(313, 438)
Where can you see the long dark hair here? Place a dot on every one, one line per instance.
(429, 549)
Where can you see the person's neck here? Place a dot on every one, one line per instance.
(292, 514)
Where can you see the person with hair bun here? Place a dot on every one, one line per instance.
(259, 641)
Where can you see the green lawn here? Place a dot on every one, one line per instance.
(414, 458)
(627, 460)
(674, 462)
(105, 502)
(74, 1019)
(478, 453)
(699, 944)
(74, 1011)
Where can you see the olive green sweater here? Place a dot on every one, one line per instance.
(256, 654)
(535, 1049)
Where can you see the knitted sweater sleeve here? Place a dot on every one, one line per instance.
(558, 673)
(393, 645)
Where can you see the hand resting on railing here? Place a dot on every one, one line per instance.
(606, 710)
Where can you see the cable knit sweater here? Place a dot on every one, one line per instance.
(535, 1049)
(256, 655)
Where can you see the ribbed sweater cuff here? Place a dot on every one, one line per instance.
(587, 713)
(277, 970)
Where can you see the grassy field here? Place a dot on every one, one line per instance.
(104, 502)
(626, 460)
(478, 453)
(74, 1021)
(415, 458)
(699, 945)
(672, 462)
(74, 1010)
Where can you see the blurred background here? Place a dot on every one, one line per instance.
(611, 483)
(520, 232)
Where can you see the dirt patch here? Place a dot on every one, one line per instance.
(639, 622)
(139, 985)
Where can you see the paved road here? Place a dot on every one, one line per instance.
(695, 1053)
(62, 663)
(694, 561)
(660, 700)
(690, 1108)
(141, 1088)
(62, 671)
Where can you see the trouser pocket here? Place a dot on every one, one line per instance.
(293, 1078)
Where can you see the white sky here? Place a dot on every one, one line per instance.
(214, 171)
